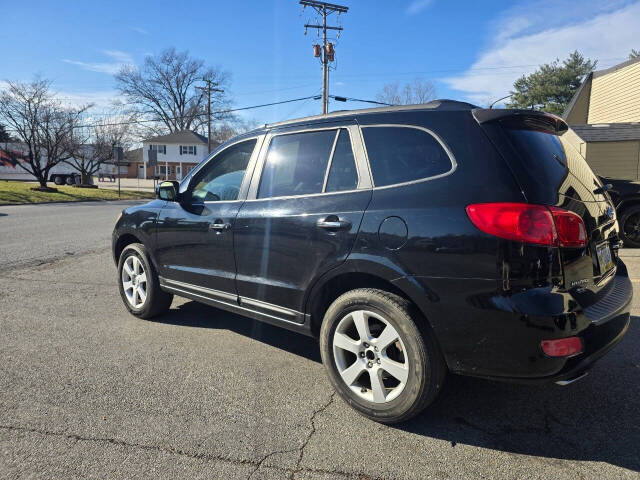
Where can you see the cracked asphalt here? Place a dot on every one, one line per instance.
(88, 391)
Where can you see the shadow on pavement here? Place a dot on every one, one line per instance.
(194, 314)
(595, 419)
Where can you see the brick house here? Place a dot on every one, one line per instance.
(178, 154)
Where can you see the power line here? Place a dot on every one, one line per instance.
(230, 110)
(351, 99)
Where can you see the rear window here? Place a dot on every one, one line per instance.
(296, 164)
(541, 152)
(404, 154)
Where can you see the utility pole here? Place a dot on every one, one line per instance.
(327, 53)
(209, 90)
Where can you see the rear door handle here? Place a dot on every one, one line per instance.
(332, 222)
(219, 225)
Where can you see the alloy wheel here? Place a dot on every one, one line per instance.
(134, 281)
(370, 356)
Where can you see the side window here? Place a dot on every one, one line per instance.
(221, 178)
(403, 154)
(342, 173)
(296, 164)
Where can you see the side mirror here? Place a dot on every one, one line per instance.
(168, 191)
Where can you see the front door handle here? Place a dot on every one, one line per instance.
(219, 225)
(332, 222)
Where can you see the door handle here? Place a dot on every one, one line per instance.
(219, 225)
(332, 222)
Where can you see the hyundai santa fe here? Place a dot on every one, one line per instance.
(412, 241)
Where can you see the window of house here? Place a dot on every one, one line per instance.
(187, 149)
(296, 164)
(404, 154)
(221, 177)
(343, 174)
(159, 148)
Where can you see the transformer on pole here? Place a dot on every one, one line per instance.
(327, 51)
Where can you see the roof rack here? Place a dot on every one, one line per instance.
(440, 104)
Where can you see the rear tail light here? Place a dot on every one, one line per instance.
(562, 347)
(570, 228)
(524, 222)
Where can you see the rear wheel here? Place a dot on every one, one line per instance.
(380, 355)
(69, 180)
(139, 285)
(630, 226)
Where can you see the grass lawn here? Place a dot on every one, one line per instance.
(20, 192)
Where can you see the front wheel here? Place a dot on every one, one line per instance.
(630, 227)
(380, 355)
(139, 285)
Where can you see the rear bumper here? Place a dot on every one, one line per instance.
(603, 338)
(608, 321)
(486, 332)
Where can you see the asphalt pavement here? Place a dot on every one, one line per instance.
(38, 234)
(88, 391)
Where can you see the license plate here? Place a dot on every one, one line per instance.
(605, 260)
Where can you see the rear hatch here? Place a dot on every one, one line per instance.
(551, 171)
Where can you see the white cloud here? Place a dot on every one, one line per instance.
(142, 31)
(416, 6)
(527, 39)
(118, 60)
(101, 99)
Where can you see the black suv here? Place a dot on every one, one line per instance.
(413, 241)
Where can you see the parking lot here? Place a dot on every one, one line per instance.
(89, 391)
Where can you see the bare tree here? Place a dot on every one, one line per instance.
(41, 123)
(91, 145)
(164, 90)
(223, 131)
(415, 92)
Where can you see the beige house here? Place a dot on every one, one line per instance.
(604, 116)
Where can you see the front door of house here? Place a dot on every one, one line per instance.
(141, 170)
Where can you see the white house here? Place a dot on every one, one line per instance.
(178, 154)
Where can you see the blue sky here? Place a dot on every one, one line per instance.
(470, 50)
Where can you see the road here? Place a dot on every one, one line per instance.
(88, 391)
(36, 234)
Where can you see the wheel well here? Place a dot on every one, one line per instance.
(123, 241)
(342, 284)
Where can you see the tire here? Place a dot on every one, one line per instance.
(58, 180)
(411, 343)
(630, 227)
(69, 180)
(156, 301)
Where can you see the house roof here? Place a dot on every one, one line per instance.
(586, 83)
(183, 136)
(611, 132)
(631, 61)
